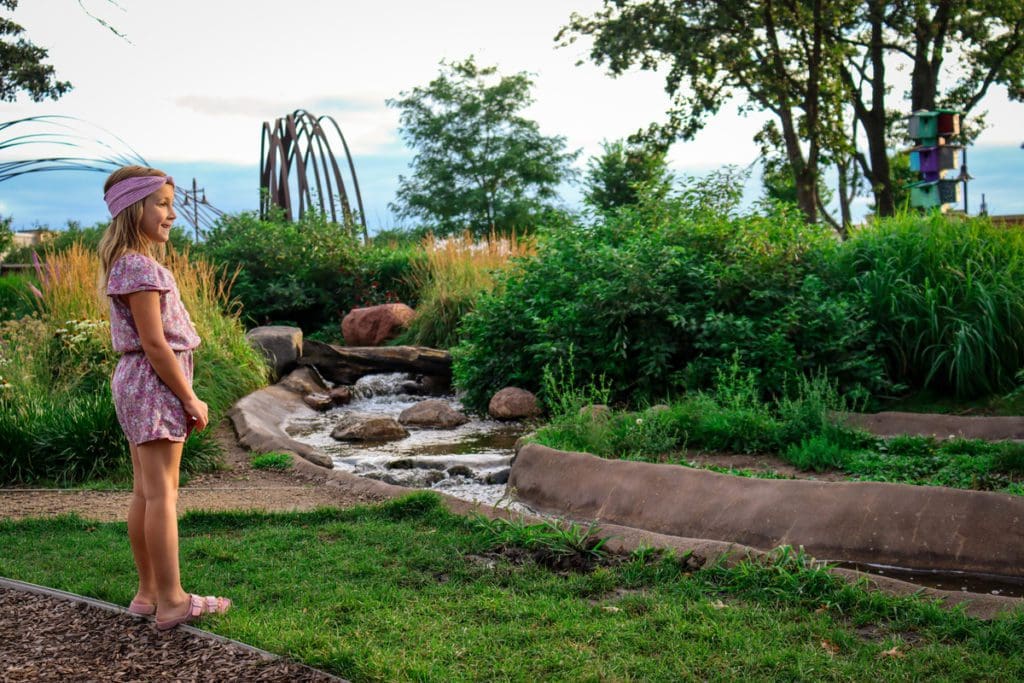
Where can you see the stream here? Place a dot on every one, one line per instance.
(470, 462)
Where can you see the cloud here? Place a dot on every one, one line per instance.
(219, 105)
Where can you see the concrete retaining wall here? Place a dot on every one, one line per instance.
(908, 526)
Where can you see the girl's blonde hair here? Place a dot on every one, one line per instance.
(124, 233)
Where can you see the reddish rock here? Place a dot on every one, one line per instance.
(374, 325)
(357, 427)
(512, 403)
(432, 413)
(340, 395)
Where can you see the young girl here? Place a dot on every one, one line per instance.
(152, 385)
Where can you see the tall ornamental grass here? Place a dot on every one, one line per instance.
(947, 297)
(449, 279)
(57, 420)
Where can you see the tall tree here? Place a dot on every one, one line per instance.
(21, 64)
(623, 170)
(773, 54)
(816, 66)
(983, 38)
(479, 164)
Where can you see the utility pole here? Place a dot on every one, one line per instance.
(196, 201)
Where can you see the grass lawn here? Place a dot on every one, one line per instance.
(408, 591)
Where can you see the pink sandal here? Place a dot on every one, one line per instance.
(198, 607)
(141, 609)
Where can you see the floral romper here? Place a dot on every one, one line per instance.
(146, 408)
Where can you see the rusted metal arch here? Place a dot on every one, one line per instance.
(297, 146)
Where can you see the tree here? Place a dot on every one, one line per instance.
(21, 64)
(984, 37)
(615, 178)
(775, 53)
(823, 69)
(479, 165)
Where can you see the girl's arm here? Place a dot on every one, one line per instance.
(145, 307)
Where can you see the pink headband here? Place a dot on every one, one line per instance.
(130, 190)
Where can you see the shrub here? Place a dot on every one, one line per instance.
(57, 418)
(658, 297)
(287, 272)
(1009, 458)
(947, 298)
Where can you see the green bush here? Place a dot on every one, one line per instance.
(308, 273)
(88, 236)
(658, 297)
(947, 298)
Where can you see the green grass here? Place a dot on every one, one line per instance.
(406, 591)
(271, 461)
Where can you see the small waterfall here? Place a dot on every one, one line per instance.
(371, 386)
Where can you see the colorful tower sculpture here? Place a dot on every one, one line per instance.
(939, 162)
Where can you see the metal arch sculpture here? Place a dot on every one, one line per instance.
(109, 154)
(297, 144)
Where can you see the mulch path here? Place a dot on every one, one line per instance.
(56, 639)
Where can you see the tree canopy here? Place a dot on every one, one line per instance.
(623, 170)
(478, 164)
(21, 64)
(822, 69)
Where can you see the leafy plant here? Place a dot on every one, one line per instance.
(271, 461)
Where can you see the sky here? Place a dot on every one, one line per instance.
(192, 82)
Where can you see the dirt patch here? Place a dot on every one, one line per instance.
(760, 464)
(237, 486)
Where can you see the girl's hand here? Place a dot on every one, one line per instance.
(198, 414)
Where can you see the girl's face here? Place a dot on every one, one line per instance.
(158, 215)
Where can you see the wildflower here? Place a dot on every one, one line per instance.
(639, 420)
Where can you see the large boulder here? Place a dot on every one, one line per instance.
(374, 325)
(280, 345)
(304, 380)
(513, 403)
(432, 413)
(359, 427)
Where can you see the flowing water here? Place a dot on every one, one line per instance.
(469, 462)
(472, 462)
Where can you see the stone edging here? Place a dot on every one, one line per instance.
(25, 587)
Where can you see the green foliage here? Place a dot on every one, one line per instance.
(656, 298)
(479, 164)
(554, 542)
(271, 461)
(60, 241)
(15, 296)
(308, 273)
(818, 453)
(1009, 458)
(729, 417)
(287, 272)
(616, 176)
(21, 64)
(57, 419)
(947, 298)
(6, 235)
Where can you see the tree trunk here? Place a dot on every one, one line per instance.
(874, 122)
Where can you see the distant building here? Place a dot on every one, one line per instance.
(1008, 219)
(29, 238)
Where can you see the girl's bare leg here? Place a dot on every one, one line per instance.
(147, 592)
(159, 462)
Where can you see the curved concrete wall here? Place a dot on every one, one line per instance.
(908, 526)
